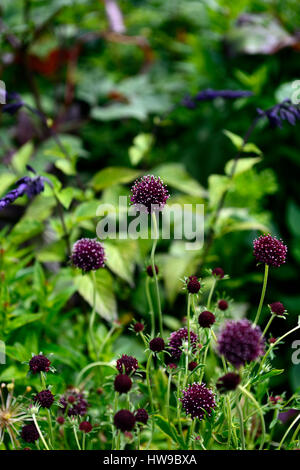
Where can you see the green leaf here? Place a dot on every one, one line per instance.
(267, 375)
(293, 217)
(113, 175)
(237, 141)
(105, 300)
(141, 145)
(22, 157)
(86, 210)
(121, 258)
(169, 429)
(175, 175)
(22, 320)
(242, 165)
(66, 196)
(6, 179)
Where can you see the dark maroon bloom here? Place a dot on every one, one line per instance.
(157, 344)
(88, 254)
(223, 305)
(192, 365)
(193, 285)
(124, 420)
(45, 398)
(218, 272)
(269, 250)
(85, 426)
(29, 433)
(275, 400)
(60, 420)
(141, 416)
(138, 327)
(198, 401)
(39, 363)
(122, 383)
(149, 194)
(150, 270)
(74, 402)
(284, 111)
(228, 382)
(240, 342)
(272, 340)
(277, 308)
(176, 339)
(172, 365)
(127, 364)
(206, 319)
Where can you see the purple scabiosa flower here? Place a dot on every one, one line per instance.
(269, 250)
(27, 185)
(150, 270)
(39, 363)
(284, 111)
(85, 426)
(157, 344)
(176, 339)
(240, 342)
(88, 254)
(228, 382)
(45, 398)
(138, 327)
(210, 94)
(60, 420)
(218, 272)
(193, 285)
(206, 319)
(192, 365)
(29, 433)
(277, 308)
(198, 401)
(122, 383)
(223, 305)
(127, 364)
(74, 403)
(141, 416)
(149, 194)
(124, 420)
(188, 102)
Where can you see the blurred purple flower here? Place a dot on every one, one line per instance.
(210, 94)
(13, 103)
(284, 111)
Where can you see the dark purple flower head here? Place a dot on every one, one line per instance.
(210, 94)
(228, 382)
(223, 305)
(240, 342)
(284, 111)
(218, 272)
(73, 401)
(149, 194)
(150, 270)
(85, 426)
(157, 344)
(192, 365)
(29, 433)
(206, 319)
(176, 339)
(60, 420)
(198, 401)
(88, 254)
(27, 185)
(269, 250)
(124, 420)
(13, 103)
(39, 363)
(122, 383)
(45, 398)
(127, 364)
(138, 327)
(141, 416)
(277, 308)
(193, 285)
(188, 102)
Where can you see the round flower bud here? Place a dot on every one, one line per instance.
(206, 319)
(218, 272)
(223, 305)
(60, 420)
(74, 402)
(268, 250)
(157, 344)
(29, 433)
(88, 254)
(198, 401)
(176, 339)
(45, 398)
(124, 420)
(85, 426)
(193, 285)
(39, 363)
(149, 194)
(122, 383)
(277, 308)
(192, 365)
(141, 416)
(150, 270)
(138, 327)
(127, 364)
(228, 382)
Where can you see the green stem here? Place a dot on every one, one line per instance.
(205, 355)
(83, 441)
(168, 396)
(269, 324)
(150, 304)
(256, 404)
(93, 316)
(76, 437)
(90, 366)
(148, 381)
(263, 292)
(240, 414)
(155, 275)
(288, 430)
(40, 432)
(229, 421)
(189, 321)
(211, 292)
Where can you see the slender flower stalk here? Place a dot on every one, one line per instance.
(288, 430)
(156, 235)
(148, 381)
(39, 431)
(269, 324)
(189, 322)
(211, 292)
(263, 292)
(76, 437)
(93, 316)
(150, 305)
(241, 420)
(257, 406)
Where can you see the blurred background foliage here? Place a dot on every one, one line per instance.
(111, 87)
